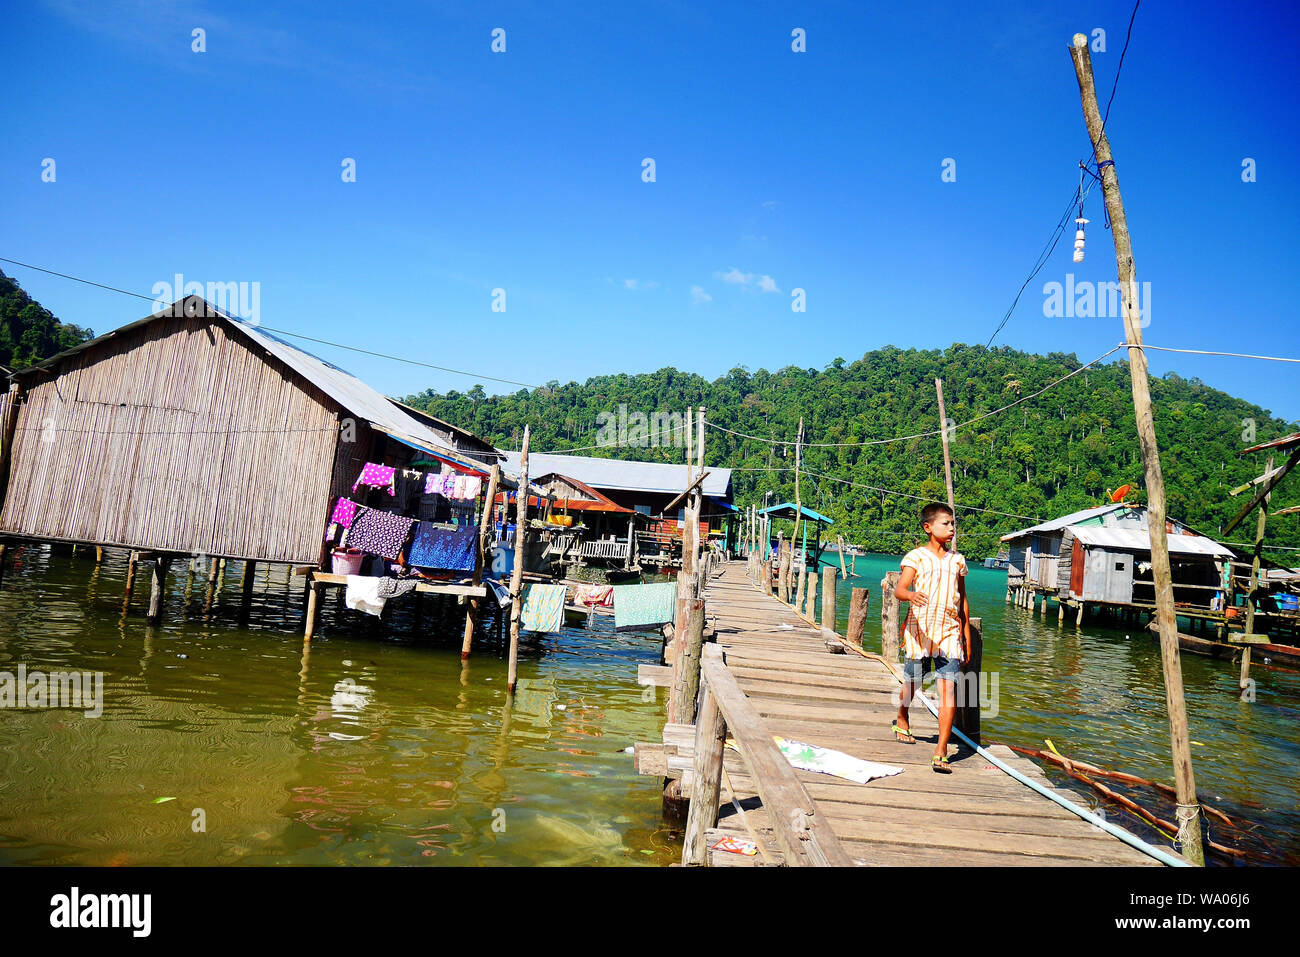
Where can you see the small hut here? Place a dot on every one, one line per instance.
(1102, 556)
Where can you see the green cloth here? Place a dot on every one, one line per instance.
(644, 606)
(543, 608)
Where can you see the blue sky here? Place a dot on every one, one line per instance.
(522, 170)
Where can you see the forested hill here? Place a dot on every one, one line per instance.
(28, 331)
(1050, 455)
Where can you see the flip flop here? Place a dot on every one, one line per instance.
(902, 734)
(940, 764)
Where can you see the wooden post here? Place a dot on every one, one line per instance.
(967, 717)
(798, 503)
(810, 608)
(857, 615)
(889, 617)
(1254, 569)
(828, 597)
(801, 579)
(157, 584)
(947, 462)
(1078, 617)
(689, 529)
(246, 586)
(766, 582)
(313, 607)
(484, 529)
(1188, 811)
(686, 668)
(706, 786)
(212, 586)
(840, 540)
(517, 576)
(130, 579)
(1060, 612)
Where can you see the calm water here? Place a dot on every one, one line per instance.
(1098, 694)
(375, 746)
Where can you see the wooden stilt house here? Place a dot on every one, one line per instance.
(189, 432)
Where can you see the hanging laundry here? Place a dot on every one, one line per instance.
(345, 510)
(638, 607)
(363, 595)
(594, 595)
(369, 593)
(499, 591)
(543, 608)
(410, 488)
(433, 483)
(380, 533)
(440, 546)
(473, 486)
(377, 476)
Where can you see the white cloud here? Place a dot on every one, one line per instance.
(734, 275)
(768, 284)
(698, 295)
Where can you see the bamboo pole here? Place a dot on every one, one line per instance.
(844, 571)
(1189, 815)
(517, 576)
(130, 580)
(484, 528)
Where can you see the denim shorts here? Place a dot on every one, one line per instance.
(945, 669)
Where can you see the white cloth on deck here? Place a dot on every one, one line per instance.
(363, 594)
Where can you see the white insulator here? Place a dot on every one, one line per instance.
(1078, 235)
(1078, 255)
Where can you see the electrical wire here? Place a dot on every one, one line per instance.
(922, 435)
(286, 332)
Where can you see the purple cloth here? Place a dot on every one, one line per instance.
(345, 510)
(380, 533)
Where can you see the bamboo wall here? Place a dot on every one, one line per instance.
(176, 436)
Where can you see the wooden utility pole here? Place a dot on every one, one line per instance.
(688, 532)
(798, 502)
(517, 575)
(947, 462)
(1188, 810)
(1249, 636)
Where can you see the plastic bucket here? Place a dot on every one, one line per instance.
(346, 561)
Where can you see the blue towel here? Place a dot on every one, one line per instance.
(446, 548)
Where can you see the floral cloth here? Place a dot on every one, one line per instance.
(437, 546)
(380, 533)
(543, 608)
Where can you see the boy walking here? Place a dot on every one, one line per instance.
(936, 635)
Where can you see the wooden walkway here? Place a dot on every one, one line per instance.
(797, 689)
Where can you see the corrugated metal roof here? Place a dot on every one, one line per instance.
(1073, 518)
(1132, 539)
(786, 510)
(621, 473)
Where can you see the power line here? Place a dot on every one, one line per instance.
(285, 332)
(922, 435)
(1206, 352)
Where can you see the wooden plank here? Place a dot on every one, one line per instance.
(656, 676)
(800, 830)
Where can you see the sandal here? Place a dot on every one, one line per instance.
(940, 764)
(902, 734)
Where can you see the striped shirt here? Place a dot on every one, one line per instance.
(934, 629)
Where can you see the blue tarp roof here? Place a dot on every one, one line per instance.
(787, 510)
